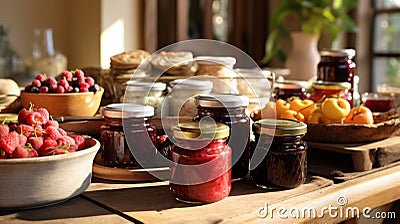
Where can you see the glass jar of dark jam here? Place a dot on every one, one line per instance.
(201, 162)
(290, 88)
(285, 161)
(230, 109)
(114, 148)
(337, 66)
(322, 90)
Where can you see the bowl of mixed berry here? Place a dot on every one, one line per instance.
(42, 164)
(72, 94)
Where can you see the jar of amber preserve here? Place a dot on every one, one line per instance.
(322, 90)
(230, 109)
(115, 151)
(285, 161)
(201, 162)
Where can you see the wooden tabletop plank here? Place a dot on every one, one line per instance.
(154, 203)
(76, 210)
(370, 191)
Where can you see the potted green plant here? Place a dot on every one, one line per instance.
(314, 17)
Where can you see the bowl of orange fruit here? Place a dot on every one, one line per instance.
(332, 119)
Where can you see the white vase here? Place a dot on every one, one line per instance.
(304, 56)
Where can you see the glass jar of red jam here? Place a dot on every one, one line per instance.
(115, 151)
(230, 109)
(290, 88)
(284, 164)
(322, 90)
(201, 162)
(337, 65)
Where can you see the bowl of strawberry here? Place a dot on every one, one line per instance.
(42, 164)
(72, 94)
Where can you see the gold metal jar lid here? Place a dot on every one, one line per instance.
(279, 127)
(331, 85)
(200, 130)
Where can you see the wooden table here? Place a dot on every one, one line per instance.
(112, 202)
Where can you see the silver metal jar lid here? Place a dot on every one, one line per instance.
(221, 100)
(127, 110)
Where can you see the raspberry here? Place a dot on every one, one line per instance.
(20, 152)
(66, 75)
(41, 77)
(79, 74)
(51, 81)
(62, 131)
(84, 85)
(53, 133)
(22, 139)
(83, 89)
(53, 88)
(44, 89)
(22, 115)
(28, 88)
(64, 83)
(48, 147)
(53, 123)
(35, 142)
(89, 80)
(9, 142)
(34, 119)
(4, 130)
(45, 114)
(69, 89)
(24, 129)
(32, 153)
(60, 89)
(79, 141)
(36, 83)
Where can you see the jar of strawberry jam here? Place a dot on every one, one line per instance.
(290, 88)
(230, 109)
(115, 151)
(337, 65)
(284, 163)
(201, 162)
(322, 90)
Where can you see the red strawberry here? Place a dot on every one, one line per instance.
(66, 75)
(60, 151)
(45, 114)
(79, 73)
(34, 119)
(36, 142)
(53, 123)
(20, 152)
(4, 130)
(9, 142)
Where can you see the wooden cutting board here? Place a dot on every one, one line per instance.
(365, 156)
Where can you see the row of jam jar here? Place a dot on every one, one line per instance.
(336, 76)
(284, 165)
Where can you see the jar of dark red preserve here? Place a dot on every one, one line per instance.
(201, 162)
(285, 161)
(115, 151)
(337, 66)
(230, 109)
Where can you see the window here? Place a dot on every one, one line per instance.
(385, 43)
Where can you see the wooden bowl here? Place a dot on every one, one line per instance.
(65, 104)
(351, 133)
(41, 181)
